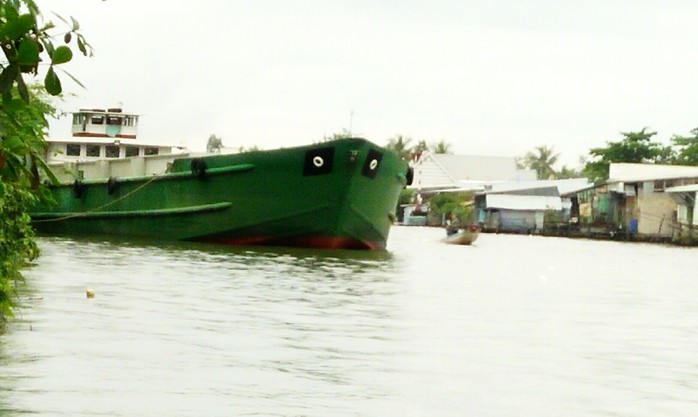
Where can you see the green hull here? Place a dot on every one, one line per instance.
(339, 194)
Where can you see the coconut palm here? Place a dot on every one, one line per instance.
(401, 146)
(214, 144)
(442, 147)
(542, 160)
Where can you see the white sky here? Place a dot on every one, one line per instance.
(488, 77)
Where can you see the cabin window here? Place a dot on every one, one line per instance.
(72, 149)
(112, 151)
(131, 151)
(113, 120)
(92, 150)
(97, 120)
(78, 119)
(129, 121)
(151, 151)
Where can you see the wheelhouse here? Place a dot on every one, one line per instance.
(104, 142)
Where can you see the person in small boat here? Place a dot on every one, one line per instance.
(452, 225)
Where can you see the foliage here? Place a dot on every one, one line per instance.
(420, 147)
(254, 148)
(214, 144)
(541, 160)
(458, 204)
(401, 146)
(686, 152)
(25, 44)
(566, 172)
(17, 243)
(344, 134)
(406, 196)
(634, 147)
(442, 147)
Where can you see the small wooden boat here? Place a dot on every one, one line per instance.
(462, 236)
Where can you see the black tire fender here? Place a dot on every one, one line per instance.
(409, 175)
(78, 189)
(198, 167)
(112, 185)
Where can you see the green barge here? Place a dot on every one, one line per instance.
(336, 194)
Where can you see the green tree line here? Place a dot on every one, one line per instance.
(402, 146)
(633, 147)
(28, 45)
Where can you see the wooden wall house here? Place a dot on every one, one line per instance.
(635, 200)
(526, 206)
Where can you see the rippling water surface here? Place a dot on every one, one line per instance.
(512, 326)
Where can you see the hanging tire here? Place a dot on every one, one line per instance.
(78, 189)
(198, 167)
(112, 185)
(410, 175)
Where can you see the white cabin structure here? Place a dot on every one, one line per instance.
(104, 144)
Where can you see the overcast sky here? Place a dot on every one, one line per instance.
(488, 77)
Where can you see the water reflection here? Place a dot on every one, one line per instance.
(515, 325)
(193, 320)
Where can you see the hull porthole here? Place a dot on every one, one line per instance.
(318, 161)
(373, 162)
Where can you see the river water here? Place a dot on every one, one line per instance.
(511, 326)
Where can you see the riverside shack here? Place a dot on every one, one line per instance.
(635, 201)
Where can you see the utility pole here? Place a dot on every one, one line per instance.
(351, 120)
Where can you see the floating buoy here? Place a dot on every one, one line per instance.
(90, 293)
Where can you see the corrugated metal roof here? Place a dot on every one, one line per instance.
(457, 171)
(483, 168)
(683, 189)
(523, 202)
(628, 172)
(564, 186)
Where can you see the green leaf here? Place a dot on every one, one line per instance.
(8, 77)
(11, 11)
(49, 46)
(16, 28)
(28, 53)
(61, 55)
(44, 167)
(76, 25)
(72, 77)
(61, 17)
(81, 46)
(13, 144)
(52, 82)
(14, 105)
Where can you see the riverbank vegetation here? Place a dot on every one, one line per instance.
(29, 45)
(633, 147)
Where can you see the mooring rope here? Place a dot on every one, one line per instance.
(85, 213)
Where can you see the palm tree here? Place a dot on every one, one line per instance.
(542, 160)
(214, 144)
(442, 147)
(400, 145)
(421, 146)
